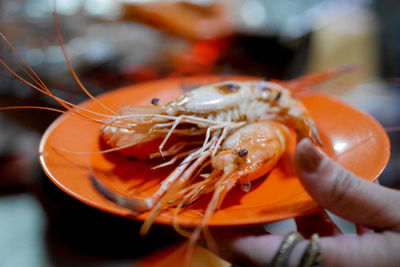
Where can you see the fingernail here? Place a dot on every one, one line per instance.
(308, 156)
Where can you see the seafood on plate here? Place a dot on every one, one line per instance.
(218, 135)
(223, 134)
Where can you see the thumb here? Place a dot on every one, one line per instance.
(344, 193)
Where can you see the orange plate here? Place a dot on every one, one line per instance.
(351, 137)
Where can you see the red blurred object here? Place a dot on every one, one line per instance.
(206, 28)
(188, 20)
(200, 58)
(141, 73)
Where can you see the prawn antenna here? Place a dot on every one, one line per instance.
(37, 80)
(71, 68)
(41, 87)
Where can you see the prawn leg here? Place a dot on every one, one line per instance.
(194, 120)
(176, 123)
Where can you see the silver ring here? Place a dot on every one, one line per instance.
(282, 257)
(313, 254)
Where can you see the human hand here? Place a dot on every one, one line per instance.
(343, 193)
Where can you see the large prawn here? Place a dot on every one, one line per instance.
(239, 130)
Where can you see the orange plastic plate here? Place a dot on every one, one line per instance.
(351, 137)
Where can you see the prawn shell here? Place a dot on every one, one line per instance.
(219, 96)
(208, 98)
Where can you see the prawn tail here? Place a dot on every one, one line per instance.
(307, 129)
(304, 83)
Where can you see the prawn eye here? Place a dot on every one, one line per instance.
(242, 152)
(155, 101)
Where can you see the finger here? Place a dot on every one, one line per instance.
(345, 194)
(249, 250)
(371, 249)
(318, 222)
(213, 237)
(233, 232)
(256, 250)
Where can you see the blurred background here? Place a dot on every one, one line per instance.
(112, 44)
